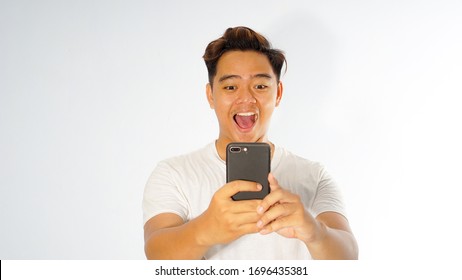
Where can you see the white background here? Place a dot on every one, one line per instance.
(94, 93)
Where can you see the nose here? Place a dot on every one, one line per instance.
(245, 95)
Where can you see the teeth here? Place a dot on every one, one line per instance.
(246, 114)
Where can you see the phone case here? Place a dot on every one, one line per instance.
(249, 162)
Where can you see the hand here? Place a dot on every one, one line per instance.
(225, 220)
(283, 212)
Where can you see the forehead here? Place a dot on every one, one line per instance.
(243, 63)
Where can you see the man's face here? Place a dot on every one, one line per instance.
(244, 94)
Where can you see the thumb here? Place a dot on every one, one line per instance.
(274, 185)
(234, 187)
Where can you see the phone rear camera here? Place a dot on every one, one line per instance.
(235, 149)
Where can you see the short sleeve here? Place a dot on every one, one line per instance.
(328, 197)
(163, 195)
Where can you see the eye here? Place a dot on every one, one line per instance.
(261, 86)
(229, 88)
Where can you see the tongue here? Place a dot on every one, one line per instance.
(245, 122)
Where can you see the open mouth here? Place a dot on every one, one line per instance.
(245, 120)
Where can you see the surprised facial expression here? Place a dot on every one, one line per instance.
(244, 94)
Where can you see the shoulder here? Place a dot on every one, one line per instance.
(203, 154)
(285, 158)
(196, 164)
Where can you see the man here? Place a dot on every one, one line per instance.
(188, 209)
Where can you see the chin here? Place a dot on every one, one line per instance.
(249, 138)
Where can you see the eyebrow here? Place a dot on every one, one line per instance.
(260, 75)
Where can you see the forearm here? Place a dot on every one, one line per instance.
(179, 242)
(333, 244)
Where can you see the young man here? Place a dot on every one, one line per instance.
(188, 209)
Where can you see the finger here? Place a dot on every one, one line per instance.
(247, 218)
(275, 213)
(248, 229)
(273, 197)
(235, 223)
(244, 206)
(230, 189)
(289, 221)
(270, 200)
(278, 224)
(274, 184)
(280, 196)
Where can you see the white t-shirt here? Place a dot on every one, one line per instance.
(184, 185)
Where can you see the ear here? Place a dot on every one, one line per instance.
(279, 93)
(209, 92)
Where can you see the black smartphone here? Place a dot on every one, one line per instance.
(249, 162)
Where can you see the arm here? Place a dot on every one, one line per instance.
(167, 236)
(328, 236)
(335, 239)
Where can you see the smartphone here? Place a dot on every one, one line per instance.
(249, 162)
